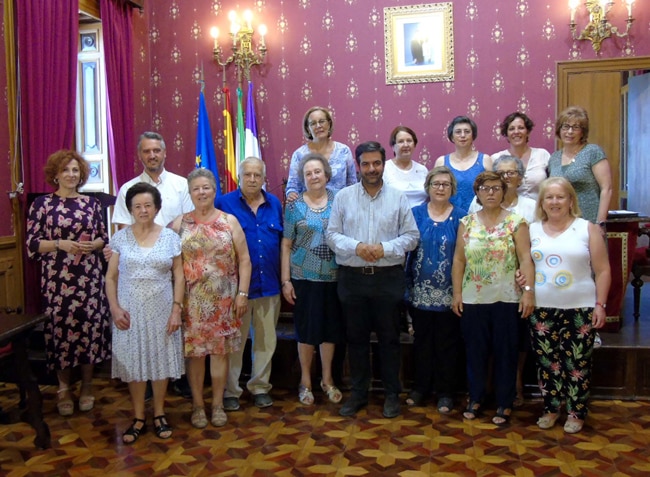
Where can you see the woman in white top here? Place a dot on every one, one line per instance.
(516, 128)
(403, 172)
(572, 279)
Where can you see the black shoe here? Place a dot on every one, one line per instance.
(148, 393)
(182, 388)
(231, 404)
(353, 405)
(262, 400)
(391, 406)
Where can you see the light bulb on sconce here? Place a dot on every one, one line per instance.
(599, 27)
(241, 33)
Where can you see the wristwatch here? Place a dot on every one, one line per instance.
(528, 288)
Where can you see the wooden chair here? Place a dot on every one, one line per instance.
(640, 268)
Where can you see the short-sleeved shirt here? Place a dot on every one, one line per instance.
(410, 183)
(581, 176)
(490, 260)
(311, 257)
(263, 231)
(344, 170)
(174, 192)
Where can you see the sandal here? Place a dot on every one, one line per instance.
(163, 430)
(573, 425)
(472, 411)
(134, 432)
(305, 396)
(86, 401)
(445, 405)
(547, 421)
(219, 417)
(415, 399)
(199, 419)
(65, 406)
(502, 417)
(333, 393)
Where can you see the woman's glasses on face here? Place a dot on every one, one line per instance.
(508, 173)
(571, 127)
(440, 185)
(489, 189)
(320, 122)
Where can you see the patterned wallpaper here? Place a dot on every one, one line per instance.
(331, 53)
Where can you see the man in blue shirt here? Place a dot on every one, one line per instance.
(260, 215)
(371, 228)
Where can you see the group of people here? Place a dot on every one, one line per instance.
(190, 275)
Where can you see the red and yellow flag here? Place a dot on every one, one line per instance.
(229, 146)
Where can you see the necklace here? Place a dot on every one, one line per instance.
(317, 205)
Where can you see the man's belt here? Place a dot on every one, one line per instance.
(371, 270)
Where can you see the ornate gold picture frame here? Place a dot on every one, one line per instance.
(419, 43)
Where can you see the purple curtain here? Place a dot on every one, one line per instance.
(47, 58)
(117, 33)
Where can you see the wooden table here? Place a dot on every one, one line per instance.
(16, 329)
(621, 242)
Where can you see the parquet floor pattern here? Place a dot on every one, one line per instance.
(289, 439)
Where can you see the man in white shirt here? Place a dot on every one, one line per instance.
(173, 188)
(371, 228)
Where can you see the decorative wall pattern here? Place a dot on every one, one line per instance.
(331, 53)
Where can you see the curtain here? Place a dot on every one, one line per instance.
(47, 58)
(117, 33)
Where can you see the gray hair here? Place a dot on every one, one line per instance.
(151, 135)
(251, 160)
(507, 158)
(202, 172)
(314, 156)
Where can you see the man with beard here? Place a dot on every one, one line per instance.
(371, 229)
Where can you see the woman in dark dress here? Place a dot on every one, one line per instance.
(65, 232)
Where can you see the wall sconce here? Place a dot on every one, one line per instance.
(599, 27)
(242, 45)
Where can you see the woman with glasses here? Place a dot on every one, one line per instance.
(435, 329)
(516, 128)
(584, 165)
(465, 162)
(492, 243)
(403, 172)
(317, 126)
(511, 170)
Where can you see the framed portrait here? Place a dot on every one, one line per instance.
(419, 43)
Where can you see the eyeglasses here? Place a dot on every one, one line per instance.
(320, 122)
(508, 173)
(571, 127)
(438, 185)
(489, 189)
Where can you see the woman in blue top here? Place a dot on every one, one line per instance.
(436, 330)
(309, 273)
(465, 162)
(317, 127)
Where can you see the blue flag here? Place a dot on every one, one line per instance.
(205, 156)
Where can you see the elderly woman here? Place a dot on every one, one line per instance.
(65, 232)
(436, 330)
(217, 272)
(572, 279)
(491, 244)
(317, 126)
(516, 128)
(145, 288)
(465, 163)
(402, 172)
(584, 165)
(309, 273)
(511, 170)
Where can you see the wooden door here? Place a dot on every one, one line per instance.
(596, 86)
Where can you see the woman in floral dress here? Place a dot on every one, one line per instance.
(217, 271)
(65, 232)
(491, 244)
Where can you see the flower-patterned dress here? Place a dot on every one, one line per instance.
(211, 278)
(72, 288)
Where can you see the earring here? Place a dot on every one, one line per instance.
(56, 181)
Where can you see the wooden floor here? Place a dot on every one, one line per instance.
(289, 439)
